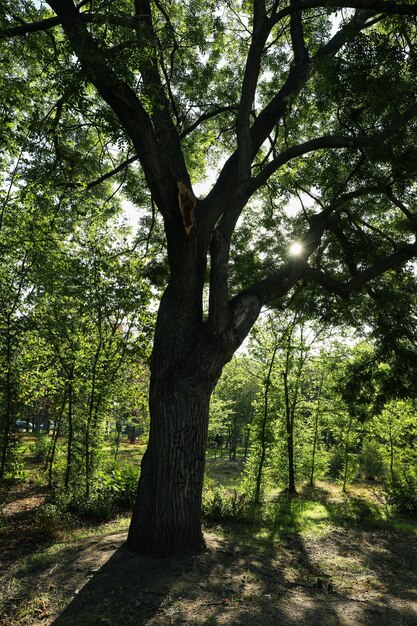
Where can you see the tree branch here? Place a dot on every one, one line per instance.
(297, 78)
(154, 88)
(207, 116)
(119, 95)
(270, 116)
(278, 285)
(301, 58)
(116, 170)
(336, 229)
(51, 22)
(400, 205)
(379, 6)
(261, 30)
(34, 27)
(219, 312)
(333, 142)
(344, 289)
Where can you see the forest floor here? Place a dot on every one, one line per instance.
(323, 558)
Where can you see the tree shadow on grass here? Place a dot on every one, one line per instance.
(291, 589)
(253, 573)
(127, 589)
(256, 575)
(371, 567)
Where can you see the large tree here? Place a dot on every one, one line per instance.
(314, 99)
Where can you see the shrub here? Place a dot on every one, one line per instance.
(402, 491)
(50, 519)
(371, 461)
(14, 470)
(113, 491)
(336, 460)
(41, 447)
(218, 505)
(119, 486)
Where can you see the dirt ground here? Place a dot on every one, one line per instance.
(345, 577)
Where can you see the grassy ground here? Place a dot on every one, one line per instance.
(323, 557)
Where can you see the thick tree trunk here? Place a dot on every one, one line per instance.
(166, 518)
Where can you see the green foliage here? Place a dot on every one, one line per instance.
(232, 406)
(74, 331)
(119, 486)
(51, 519)
(336, 460)
(218, 505)
(114, 491)
(13, 462)
(41, 447)
(402, 491)
(371, 461)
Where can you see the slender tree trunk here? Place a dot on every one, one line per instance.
(8, 402)
(291, 471)
(116, 452)
(313, 454)
(51, 458)
(55, 436)
(247, 439)
(316, 433)
(391, 454)
(70, 432)
(90, 420)
(289, 416)
(265, 417)
(346, 459)
(233, 442)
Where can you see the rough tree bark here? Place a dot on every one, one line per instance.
(186, 364)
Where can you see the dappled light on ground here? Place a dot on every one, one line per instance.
(322, 558)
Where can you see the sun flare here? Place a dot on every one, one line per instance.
(296, 248)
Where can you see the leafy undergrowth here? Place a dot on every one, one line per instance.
(322, 557)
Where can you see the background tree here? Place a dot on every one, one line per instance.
(233, 404)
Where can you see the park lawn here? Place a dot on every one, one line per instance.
(320, 551)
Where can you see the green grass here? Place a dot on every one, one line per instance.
(297, 515)
(403, 525)
(311, 512)
(128, 452)
(117, 525)
(226, 473)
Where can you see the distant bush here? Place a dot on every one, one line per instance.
(218, 505)
(402, 491)
(336, 459)
(41, 447)
(113, 491)
(49, 519)
(371, 461)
